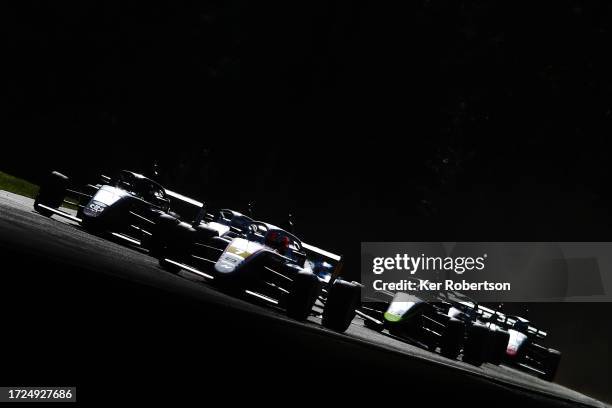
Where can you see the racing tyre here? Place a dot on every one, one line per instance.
(177, 247)
(304, 291)
(474, 350)
(51, 193)
(498, 342)
(551, 364)
(342, 300)
(452, 340)
(40, 210)
(160, 234)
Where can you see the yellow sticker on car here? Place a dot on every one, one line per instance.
(238, 251)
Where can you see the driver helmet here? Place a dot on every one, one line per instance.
(271, 239)
(283, 244)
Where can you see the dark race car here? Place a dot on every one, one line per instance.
(128, 206)
(417, 320)
(521, 347)
(443, 321)
(525, 352)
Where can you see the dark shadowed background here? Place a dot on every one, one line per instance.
(437, 120)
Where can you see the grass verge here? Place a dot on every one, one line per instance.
(18, 186)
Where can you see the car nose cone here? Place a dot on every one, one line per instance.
(94, 209)
(227, 263)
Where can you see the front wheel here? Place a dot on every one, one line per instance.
(342, 300)
(305, 289)
(51, 193)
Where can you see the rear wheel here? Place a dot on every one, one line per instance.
(177, 247)
(160, 234)
(474, 350)
(305, 289)
(452, 339)
(498, 342)
(342, 300)
(41, 210)
(551, 364)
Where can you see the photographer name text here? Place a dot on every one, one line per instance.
(425, 285)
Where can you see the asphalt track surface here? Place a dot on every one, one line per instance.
(62, 242)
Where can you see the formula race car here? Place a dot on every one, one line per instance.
(423, 322)
(457, 325)
(128, 206)
(524, 353)
(519, 348)
(261, 261)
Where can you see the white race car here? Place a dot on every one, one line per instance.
(262, 261)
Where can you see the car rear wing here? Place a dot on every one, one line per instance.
(536, 332)
(188, 208)
(465, 303)
(507, 322)
(325, 264)
(322, 252)
(186, 199)
(496, 317)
